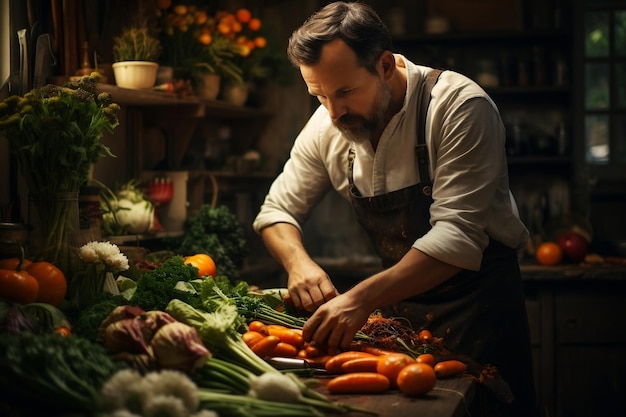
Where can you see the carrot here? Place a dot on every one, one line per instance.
(265, 346)
(302, 354)
(257, 326)
(333, 365)
(318, 361)
(312, 351)
(285, 334)
(360, 365)
(285, 350)
(446, 369)
(358, 383)
(251, 337)
(374, 350)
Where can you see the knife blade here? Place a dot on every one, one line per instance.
(22, 37)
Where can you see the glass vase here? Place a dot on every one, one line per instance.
(54, 218)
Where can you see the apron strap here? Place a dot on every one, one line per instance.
(421, 149)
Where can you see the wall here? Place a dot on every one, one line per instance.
(4, 75)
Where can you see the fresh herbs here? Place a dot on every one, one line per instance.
(218, 233)
(55, 133)
(52, 372)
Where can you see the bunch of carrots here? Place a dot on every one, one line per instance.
(365, 371)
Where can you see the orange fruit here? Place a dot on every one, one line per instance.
(391, 364)
(260, 42)
(549, 253)
(254, 24)
(416, 379)
(243, 15)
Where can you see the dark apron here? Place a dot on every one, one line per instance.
(480, 314)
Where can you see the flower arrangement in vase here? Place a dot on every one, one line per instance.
(55, 134)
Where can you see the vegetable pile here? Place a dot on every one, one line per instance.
(182, 338)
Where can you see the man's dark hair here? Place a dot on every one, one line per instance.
(355, 23)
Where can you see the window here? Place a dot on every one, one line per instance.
(604, 75)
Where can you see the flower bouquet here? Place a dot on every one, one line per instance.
(192, 42)
(55, 134)
(102, 260)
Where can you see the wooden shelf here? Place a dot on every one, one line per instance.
(168, 101)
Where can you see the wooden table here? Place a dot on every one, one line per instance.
(450, 398)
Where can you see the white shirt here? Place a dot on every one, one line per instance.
(466, 143)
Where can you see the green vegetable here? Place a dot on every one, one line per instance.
(52, 372)
(155, 289)
(177, 346)
(86, 322)
(128, 211)
(217, 329)
(218, 233)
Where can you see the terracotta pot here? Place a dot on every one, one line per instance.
(208, 86)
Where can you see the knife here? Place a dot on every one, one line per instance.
(44, 61)
(22, 38)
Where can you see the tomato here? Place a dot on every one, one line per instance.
(391, 364)
(549, 253)
(18, 286)
(52, 283)
(426, 358)
(425, 336)
(416, 379)
(204, 263)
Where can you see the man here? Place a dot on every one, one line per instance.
(440, 216)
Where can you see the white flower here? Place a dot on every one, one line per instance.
(106, 253)
(170, 382)
(88, 253)
(164, 406)
(117, 262)
(125, 390)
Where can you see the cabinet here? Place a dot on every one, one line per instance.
(579, 339)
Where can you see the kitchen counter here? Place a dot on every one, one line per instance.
(359, 268)
(450, 398)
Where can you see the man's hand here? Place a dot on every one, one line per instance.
(310, 287)
(335, 323)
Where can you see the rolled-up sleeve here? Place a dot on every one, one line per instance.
(469, 175)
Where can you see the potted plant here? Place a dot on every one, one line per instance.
(135, 52)
(193, 43)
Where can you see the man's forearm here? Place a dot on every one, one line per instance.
(284, 243)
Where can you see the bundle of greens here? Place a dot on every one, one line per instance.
(52, 372)
(217, 323)
(217, 232)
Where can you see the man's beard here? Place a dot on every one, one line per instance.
(359, 129)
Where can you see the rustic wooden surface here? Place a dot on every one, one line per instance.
(450, 398)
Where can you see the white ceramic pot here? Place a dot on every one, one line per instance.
(135, 74)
